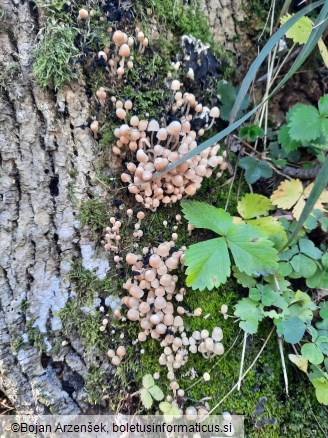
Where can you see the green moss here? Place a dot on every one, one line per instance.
(53, 58)
(17, 342)
(34, 335)
(96, 385)
(94, 213)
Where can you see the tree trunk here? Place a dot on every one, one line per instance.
(223, 17)
(42, 139)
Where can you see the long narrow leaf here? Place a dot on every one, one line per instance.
(217, 137)
(319, 185)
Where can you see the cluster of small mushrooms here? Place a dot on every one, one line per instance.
(121, 57)
(150, 294)
(154, 147)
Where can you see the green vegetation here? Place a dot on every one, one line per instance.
(52, 66)
(94, 213)
(35, 336)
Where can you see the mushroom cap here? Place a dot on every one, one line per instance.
(217, 334)
(143, 125)
(83, 14)
(215, 112)
(218, 348)
(155, 261)
(175, 85)
(162, 134)
(153, 125)
(118, 37)
(133, 315)
(120, 113)
(124, 51)
(141, 156)
(163, 249)
(174, 128)
(121, 351)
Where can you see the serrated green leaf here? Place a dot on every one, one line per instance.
(146, 398)
(321, 389)
(208, 264)
(203, 215)
(313, 353)
(148, 381)
(165, 406)
(286, 141)
(277, 282)
(251, 132)
(250, 312)
(243, 279)
(300, 31)
(272, 229)
(254, 294)
(293, 329)
(251, 252)
(323, 106)
(255, 169)
(252, 205)
(156, 393)
(305, 123)
(308, 248)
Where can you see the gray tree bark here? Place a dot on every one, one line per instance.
(223, 17)
(41, 140)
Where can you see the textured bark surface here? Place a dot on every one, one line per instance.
(41, 140)
(223, 17)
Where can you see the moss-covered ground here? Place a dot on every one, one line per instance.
(299, 415)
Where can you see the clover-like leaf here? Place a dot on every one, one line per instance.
(156, 393)
(250, 313)
(146, 398)
(148, 381)
(321, 389)
(293, 329)
(255, 169)
(308, 248)
(313, 353)
(252, 205)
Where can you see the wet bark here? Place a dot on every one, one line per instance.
(42, 142)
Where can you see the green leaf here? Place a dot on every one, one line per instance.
(286, 141)
(323, 106)
(243, 279)
(299, 361)
(255, 169)
(284, 269)
(203, 215)
(324, 308)
(208, 264)
(146, 398)
(251, 252)
(255, 294)
(305, 123)
(227, 94)
(322, 343)
(250, 313)
(165, 406)
(252, 205)
(251, 132)
(313, 353)
(308, 248)
(319, 280)
(156, 393)
(272, 229)
(321, 389)
(293, 329)
(301, 30)
(303, 265)
(148, 381)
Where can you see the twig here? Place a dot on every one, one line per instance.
(242, 361)
(283, 363)
(245, 373)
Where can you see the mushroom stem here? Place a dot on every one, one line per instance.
(211, 124)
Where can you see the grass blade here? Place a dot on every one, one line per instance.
(319, 186)
(314, 37)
